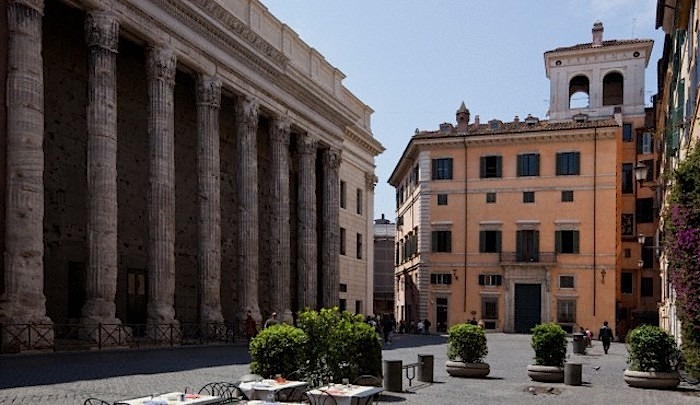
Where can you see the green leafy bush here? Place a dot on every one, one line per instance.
(279, 349)
(549, 343)
(466, 343)
(650, 348)
(341, 345)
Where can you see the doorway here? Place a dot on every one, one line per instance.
(528, 306)
(136, 302)
(441, 315)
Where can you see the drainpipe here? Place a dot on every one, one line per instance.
(466, 218)
(595, 189)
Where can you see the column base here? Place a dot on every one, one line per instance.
(23, 330)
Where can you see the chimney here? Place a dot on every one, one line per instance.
(516, 120)
(597, 33)
(477, 121)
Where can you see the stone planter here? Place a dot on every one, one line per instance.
(545, 373)
(469, 370)
(652, 379)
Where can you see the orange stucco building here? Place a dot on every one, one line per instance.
(521, 222)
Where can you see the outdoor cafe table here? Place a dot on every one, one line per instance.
(346, 394)
(173, 398)
(261, 389)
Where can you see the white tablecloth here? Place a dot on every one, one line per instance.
(344, 394)
(173, 398)
(261, 389)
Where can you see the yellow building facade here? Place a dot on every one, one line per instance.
(517, 223)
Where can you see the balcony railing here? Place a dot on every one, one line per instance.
(525, 258)
(16, 338)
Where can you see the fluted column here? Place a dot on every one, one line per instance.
(330, 255)
(102, 36)
(370, 183)
(161, 67)
(208, 169)
(280, 238)
(306, 226)
(247, 263)
(23, 300)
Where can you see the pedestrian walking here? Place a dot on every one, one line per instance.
(605, 334)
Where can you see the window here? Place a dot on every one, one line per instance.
(359, 246)
(490, 198)
(343, 195)
(441, 241)
(626, 282)
(626, 132)
(489, 241)
(645, 210)
(647, 287)
(566, 281)
(442, 199)
(529, 164)
(342, 304)
(567, 195)
(490, 279)
(628, 252)
(360, 202)
(527, 245)
(489, 308)
(342, 241)
(645, 143)
(441, 278)
(568, 163)
(613, 89)
(627, 178)
(442, 169)
(528, 196)
(358, 307)
(627, 224)
(566, 311)
(414, 175)
(491, 166)
(566, 241)
(343, 288)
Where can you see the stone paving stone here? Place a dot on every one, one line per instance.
(70, 378)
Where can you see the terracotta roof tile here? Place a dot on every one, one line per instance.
(520, 127)
(610, 43)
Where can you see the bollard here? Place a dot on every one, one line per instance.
(393, 380)
(425, 368)
(572, 373)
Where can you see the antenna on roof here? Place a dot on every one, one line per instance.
(634, 21)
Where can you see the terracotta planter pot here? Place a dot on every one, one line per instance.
(545, 373)
(652, 379)
(469, 370)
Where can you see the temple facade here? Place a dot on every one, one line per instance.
(176, 161)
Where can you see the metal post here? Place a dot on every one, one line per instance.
(425, 368)
(393, 380)
(572, 373)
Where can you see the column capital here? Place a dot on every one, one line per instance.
(280, 128)
(36, 5)
(307, 145)
(331, 158)
(161, 63)
(102, 30)
(209, 91)
(370, 180)
(247, 112)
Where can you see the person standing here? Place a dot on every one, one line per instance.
(272, 320)
(426, 326)
(605, 334)
(251, 328)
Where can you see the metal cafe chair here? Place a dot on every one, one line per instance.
(228, 392)
(291, 394)
(96, 401)
(324, 398)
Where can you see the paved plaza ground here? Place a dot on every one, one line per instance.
(69, 378)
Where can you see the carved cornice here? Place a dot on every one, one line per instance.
(36, 5)
(280, 129)
(102, 30)
(370, 145)
(209, 91)
(161, 63)
(247, 111)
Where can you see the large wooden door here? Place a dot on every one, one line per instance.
(136, 300)
(528, 306)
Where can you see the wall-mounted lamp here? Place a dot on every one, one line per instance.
(602, 276)
(640, 174)
(454, 273)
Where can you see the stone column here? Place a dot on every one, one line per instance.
(208, 168)
(368, 209)
(330, 256)
(102, 36)
(306, 227)
(247, 260)
(280, 227)
(161, 68)
(23, 300)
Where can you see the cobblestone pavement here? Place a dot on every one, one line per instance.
(69, 378)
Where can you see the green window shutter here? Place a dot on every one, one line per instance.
(577, 162)
(520, 166)
(482, 165)
(557, 241)
(498, 241)
(499, 166)
(558, 160)
(435, 169)
(481, 279)
(449, 169)
(536, 243)
(576, 239)
(519, 244)
(434, 241)
(482, 241)
(537, 164)
(448, 241)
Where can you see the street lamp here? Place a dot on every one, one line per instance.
(641, 171)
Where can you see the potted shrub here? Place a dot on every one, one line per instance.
(466, 349)
(549, 343)
(652, 358)
(278, 349)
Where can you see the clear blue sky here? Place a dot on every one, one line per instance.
(415, 61)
